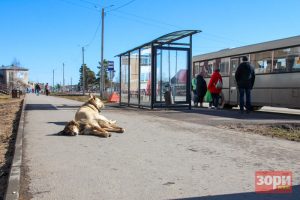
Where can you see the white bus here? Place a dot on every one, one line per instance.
(277, 68)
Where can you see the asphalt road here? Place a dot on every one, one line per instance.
(161, 155)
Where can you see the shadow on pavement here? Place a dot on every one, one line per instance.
(236, 114)
(69, 107)
(203, 112)
(252, 196)
(58, 123)
(40, 107)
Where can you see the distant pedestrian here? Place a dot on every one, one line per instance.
(201, 89)
(215, 87)
(37, 89)
(245, 77)
(47, 89)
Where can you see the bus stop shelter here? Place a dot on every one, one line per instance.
(157, 74)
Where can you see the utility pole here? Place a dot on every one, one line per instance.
(71, 85)
(83, 72)
(102, 81)
(63, 77)
(53, 81)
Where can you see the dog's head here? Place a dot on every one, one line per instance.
(71, 128)
(96, 102)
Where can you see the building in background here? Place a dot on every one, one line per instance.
(13, 77)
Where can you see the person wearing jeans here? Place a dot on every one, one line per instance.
(242, 92)
(245, 77)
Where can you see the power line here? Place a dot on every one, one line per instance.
(92, 3)
(149, 19)
(217, 37)
(222, 37)
(126, 4)
(78, 5)
(139, 21)
(145, 21)
(94, 36)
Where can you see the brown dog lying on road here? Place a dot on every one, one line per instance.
(89, 121)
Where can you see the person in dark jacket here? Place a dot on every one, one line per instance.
(213, 87)
(245, 77)
(201, 89)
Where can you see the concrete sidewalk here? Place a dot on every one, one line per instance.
(156, 157)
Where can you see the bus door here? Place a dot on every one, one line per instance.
(233, 90)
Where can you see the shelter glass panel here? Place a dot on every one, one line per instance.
(171, 75)
(124, 78)
(134, 77)
(145, 76)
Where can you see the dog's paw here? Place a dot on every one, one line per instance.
(107, 134)
(112, 121)
(122, 130)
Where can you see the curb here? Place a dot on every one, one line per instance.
(13, 187)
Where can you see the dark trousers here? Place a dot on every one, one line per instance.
(248, 98)
(215, 99)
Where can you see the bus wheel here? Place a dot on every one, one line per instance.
(255, 108)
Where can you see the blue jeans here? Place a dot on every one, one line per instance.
(248, 98)
(215, 99)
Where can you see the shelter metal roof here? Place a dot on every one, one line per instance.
(166, 39)
(275, 44)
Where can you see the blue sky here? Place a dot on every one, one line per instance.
(43, 34)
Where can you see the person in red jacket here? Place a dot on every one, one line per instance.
(215, 87)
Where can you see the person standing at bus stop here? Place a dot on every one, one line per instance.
(215, 87)
(245, 77)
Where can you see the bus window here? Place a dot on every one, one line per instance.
(262, 62)
(210, 67)
(196, 68)
(281, 60)
(296, 66)
(295, 62)
(224, 66)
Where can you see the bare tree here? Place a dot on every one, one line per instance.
(16, 62)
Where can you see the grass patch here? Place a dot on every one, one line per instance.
(289, 131)
(7, 98)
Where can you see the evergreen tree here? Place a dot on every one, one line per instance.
(106, 78)
(90, 78)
